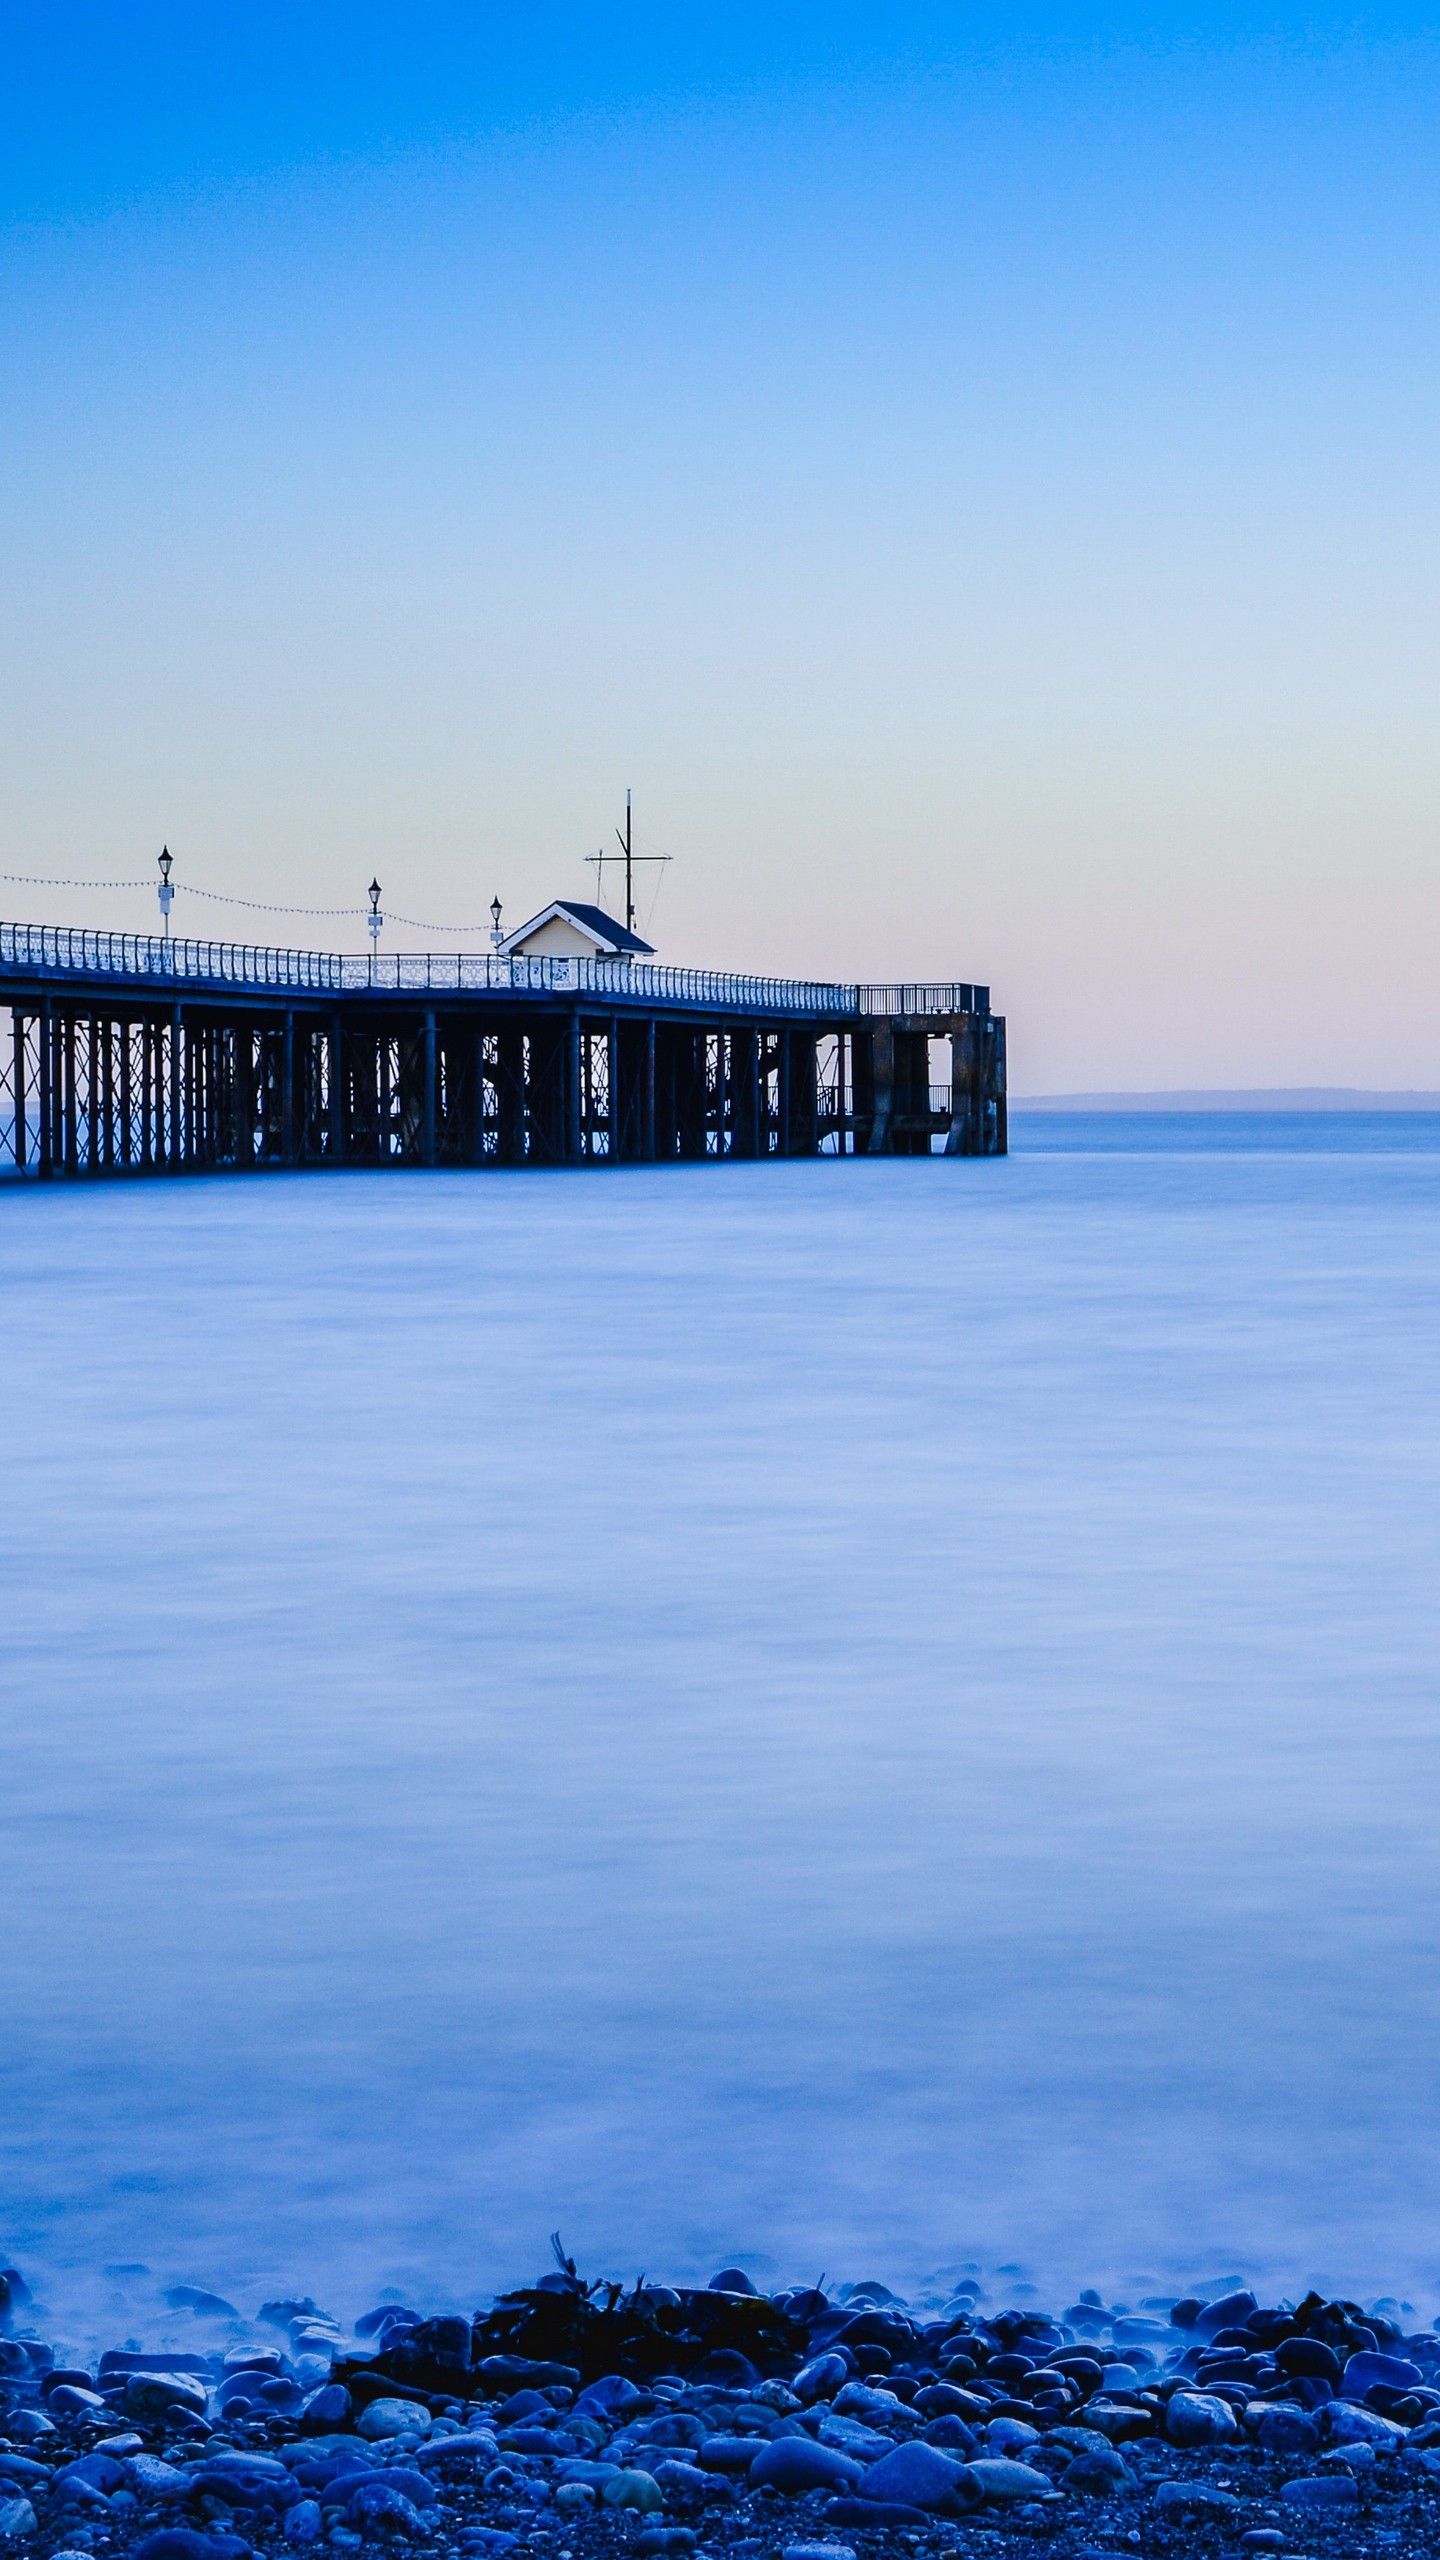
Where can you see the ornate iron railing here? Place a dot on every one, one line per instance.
(65, 951)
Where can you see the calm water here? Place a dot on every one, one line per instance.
(869, 1717)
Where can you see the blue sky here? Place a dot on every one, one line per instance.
(972, 475)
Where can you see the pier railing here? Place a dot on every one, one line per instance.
(64, 951)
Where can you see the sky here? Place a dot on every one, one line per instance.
(970, 472)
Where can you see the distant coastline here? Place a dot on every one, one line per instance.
(1299, 1097)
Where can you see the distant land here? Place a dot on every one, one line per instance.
(1283, 1097)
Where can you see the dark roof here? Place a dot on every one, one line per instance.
(595, 920)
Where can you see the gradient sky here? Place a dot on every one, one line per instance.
(973, 474)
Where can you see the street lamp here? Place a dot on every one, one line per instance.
(374, 921)
(166, 892)
(496, 936)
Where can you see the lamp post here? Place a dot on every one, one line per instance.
(496, 936)
(374, 921)
(166, 892)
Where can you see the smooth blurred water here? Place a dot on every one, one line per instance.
(869, 1715)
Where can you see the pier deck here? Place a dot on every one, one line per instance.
(127, 1053)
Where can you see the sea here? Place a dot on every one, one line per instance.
(865, 1720)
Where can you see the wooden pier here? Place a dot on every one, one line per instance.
(130, 1054)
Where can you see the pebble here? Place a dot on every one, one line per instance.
(872, 2422)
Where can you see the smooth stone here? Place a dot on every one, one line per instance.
(821, 2378)
(847, 2435)
(665, 2538)
(611, 2396)
(951, 2434)
(1079, 2440)
(393, 2418)
(574, 2495)
(157, 2479)
(634, 2489)
(1010, 2435)
(1194, 2498)
(687, 2487)
(71, 2400)
(1002, 2481)
(1098, 2475)
(1346, 2422)
(920, 2475)
(326, 2408)
(96, 2470)
(120, 2446)
(1199, 2418)
(795, 2464)
(375, 2502)
(1230, 2312)
(732, 2454)
(1282, 2428)
(303, 2523)
(1262, 2537)
(149, 2395)
(178, 2542)
(19, 2466)
(1332, 2489)
(876, 2515)
(17, 2518)
(1118, 2420)
(861, 2400)
(471, 2445)
(1367, 2372)
(817, 2551)
(1309, 2357)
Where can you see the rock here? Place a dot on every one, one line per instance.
(920, 2475)
(1194, 2498)
(573, 2496)
(96, 2470)
(177, 2542)
(1010, 2435)
(665, 2538)
(686, 2487)
(1197, 2418)
(72, 2400)
(328, 2407)
(821, 2378)
(796, 2464)
(877, 2515)
(633, 2489)
(1119, 2420)
(1345, 2422)
(393, 2418)
(18, 2466)
(1282, 2428)
(376, 2502)
(731, 2280)
(847, 2435)
(1262, 2537)
(861, 2400)
(731, 2454)
(1310, 2357)
(952, 2435)
(1230, 2312)
(157, 2479)
(302, 2524)
(471, 2446)
(1098, 2475)
(611, 2396)
(149, 2395)
(17, 2518)
(1003, 2482)
(1079, 2440)
(1333, 2489)
(1367, 2372)
(1421, 2461)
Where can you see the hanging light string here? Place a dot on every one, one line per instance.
(222, 898)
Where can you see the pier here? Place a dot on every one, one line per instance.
(135, 1054)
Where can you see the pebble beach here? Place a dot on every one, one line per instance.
(572, 2420)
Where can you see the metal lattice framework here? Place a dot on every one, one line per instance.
(124, 1054)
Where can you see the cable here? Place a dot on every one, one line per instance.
(32, 880)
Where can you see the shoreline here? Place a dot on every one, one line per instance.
(571, 2419)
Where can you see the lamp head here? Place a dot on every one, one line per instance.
(166, 859)
(373, 894)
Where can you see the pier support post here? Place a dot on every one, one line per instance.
(337, 1090)
(427, 1108)
(287, 1091)
(17, 1021)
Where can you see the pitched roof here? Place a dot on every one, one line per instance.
(605, 929)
